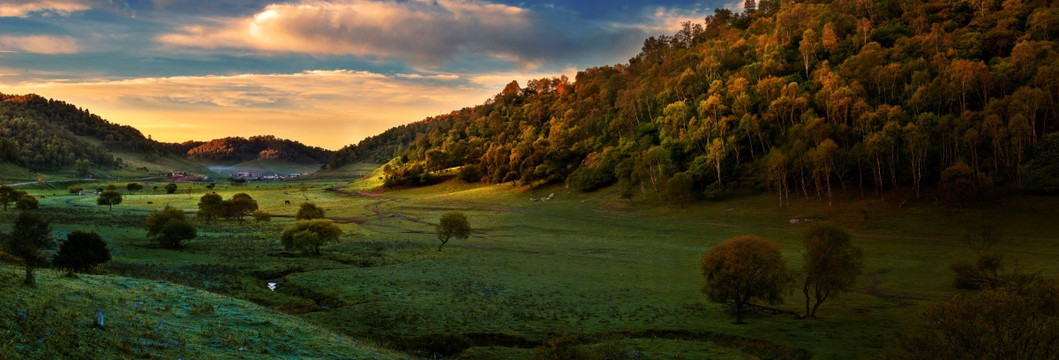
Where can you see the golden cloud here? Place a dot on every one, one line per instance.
(39, 44)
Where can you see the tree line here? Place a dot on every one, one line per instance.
(800, 98)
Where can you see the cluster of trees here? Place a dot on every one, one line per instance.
(212, 206)
(238, 149)
(800, 97)
(31, 235)
(21, 199)
(745, 269)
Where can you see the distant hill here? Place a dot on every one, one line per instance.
(795, 97)
(238, 150)
(41, 133)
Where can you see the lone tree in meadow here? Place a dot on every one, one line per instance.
(170, 188)
(9, 195)
(309, 235)
(170, 227)
(744, 269)
(832, 264)
(27, 202)
(81, 251)
(241, 205)
(210, 206)
(31, 234)
(134, 187)
(109, 198)
(309, 211)
(453, 225)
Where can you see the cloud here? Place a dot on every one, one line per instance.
(329, 108)
(39, 44)
(18, 8)
(424, 32)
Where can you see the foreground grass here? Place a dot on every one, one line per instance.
(152, 319)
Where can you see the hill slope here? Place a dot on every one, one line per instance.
(792, 96)
(238, 149)
(152, 319)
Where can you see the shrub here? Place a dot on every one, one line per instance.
(170, 188)
(27, 202)
(75, 189)
(262, 216)
(309, 235)
(169, 227)
(309, 211)
(81, 251)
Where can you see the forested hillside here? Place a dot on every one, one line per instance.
(43, 134)
(792, 96)
(237, 149)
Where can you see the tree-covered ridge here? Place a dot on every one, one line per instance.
(800, 96)
(44, 134)
(238, 149)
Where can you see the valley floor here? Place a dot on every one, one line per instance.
(584, 271)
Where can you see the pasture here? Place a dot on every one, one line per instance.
(587, 271)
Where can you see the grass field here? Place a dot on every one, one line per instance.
(591, 272)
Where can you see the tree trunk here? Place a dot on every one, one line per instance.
(739, 306)
(30, 280)
(442, 244)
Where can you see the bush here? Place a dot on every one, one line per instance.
(309, 235)
(170, 188)
(170, 227)
(134, 187)
(262, 216)
(75, 189)
(26, 202)
(309, 211)
(81, 251)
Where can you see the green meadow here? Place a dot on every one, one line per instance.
(590, 272)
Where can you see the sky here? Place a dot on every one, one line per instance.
(327, 73)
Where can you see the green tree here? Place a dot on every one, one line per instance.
(81, 167)
(309, 211)
(109, 198)
(453, 225)
(81, 251)
(31, 234)
(75, 189)
(26, 202)
(240, 206)
(210, 206)
(9, 195)
(743, 269)
(170, 188)
(309, 235)
(170, 227)
(832, 264)
(134, 187)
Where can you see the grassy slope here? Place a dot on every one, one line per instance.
(580, 263)
(152, 319)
